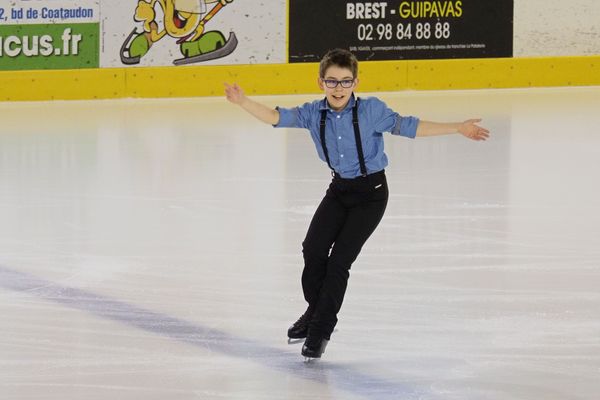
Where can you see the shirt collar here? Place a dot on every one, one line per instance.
(325, 106)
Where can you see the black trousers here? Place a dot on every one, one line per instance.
(346, 217)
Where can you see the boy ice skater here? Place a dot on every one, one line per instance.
(348, 134)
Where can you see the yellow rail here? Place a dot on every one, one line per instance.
(268, 79)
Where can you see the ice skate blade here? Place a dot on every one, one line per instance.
(295, 341)
(314, 353)
(312, 358)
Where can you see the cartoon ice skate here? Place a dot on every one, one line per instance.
(183, 20)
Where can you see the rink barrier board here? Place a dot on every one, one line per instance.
(301, 78)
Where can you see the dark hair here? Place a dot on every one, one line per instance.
(341, 58)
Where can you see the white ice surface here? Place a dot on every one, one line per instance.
(151, 249)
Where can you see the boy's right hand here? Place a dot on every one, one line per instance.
(234, 93)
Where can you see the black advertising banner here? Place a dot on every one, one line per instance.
(401, 29)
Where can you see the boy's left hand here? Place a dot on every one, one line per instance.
(470, 129)
(234, 93)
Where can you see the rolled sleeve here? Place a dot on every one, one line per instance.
(388, 120)
(296, 117)
(288, 117)
(406, 126)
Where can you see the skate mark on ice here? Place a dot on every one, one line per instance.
(342, 377)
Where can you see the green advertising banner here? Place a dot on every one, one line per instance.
(49, 46)
(44, 34)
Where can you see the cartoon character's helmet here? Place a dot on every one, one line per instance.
(191, 6)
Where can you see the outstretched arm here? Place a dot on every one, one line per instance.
(236, 95)
(468, 128)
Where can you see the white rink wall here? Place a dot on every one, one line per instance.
(541, 28)
(556, 28)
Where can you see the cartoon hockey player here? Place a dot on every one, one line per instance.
(184, 20)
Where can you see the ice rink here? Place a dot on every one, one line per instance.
(151, 249)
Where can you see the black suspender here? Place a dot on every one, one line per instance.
(322, 126)
(361, 156)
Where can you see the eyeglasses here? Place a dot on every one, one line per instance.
(333, 83)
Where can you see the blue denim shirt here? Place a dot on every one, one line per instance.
(374, 118)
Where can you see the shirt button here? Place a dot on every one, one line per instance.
(338, 117)
(339, 137)
(341, 155)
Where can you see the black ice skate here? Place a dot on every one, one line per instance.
(299, 329)
(314, 346)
